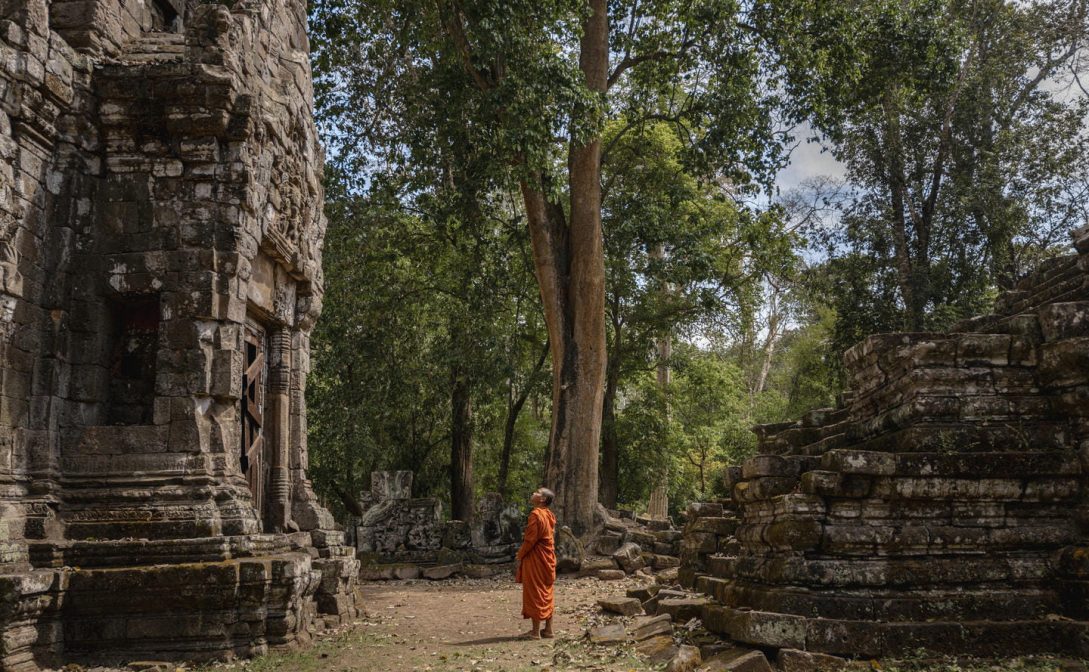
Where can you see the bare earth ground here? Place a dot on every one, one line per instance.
(460, 624)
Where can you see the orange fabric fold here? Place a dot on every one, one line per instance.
(537, 570)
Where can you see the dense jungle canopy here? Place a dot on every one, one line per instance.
(560, 249)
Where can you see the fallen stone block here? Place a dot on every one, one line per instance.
(644, 593)
(657, 650)
(376, 573)
(664, 561)
(651, 626)
(477, 571)
(406, 572)
(681, 609)
(592, 565)
(687, 659)
(610, 574)
(629, 557)
(607, 544)
(751, 661)
(608, 634)
(625, 606)
(441, 572)
(793, 660)
(709, 651)
(667, 576)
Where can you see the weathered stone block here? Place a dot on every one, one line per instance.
(625, 606)
(682, 609)
(657, 650)
(629, 557)
(647, 627)
(608, 634)
(768, 465)
(687, 659)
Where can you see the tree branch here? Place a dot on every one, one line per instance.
(456, 30)
(629, 62)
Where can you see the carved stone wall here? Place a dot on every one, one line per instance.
(160, 209)
(397, 528)
(943, 505)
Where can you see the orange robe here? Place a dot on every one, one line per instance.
(537, 571)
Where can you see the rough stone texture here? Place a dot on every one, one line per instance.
(651, 626)
(570, 553)
(625, 606)
(608, 634)
(682, 609)
(397, 528)
(653, 537)
(160, 189)
(629, 557)
(687, 659)
(941, 505)
(749, 661)
(792, 660)
(657, 650)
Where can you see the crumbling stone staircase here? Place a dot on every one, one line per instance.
(942, 505)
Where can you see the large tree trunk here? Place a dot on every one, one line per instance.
(461, 448)
(569, 261)
(658, 506)
(610, 448)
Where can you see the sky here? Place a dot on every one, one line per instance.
(807, 161)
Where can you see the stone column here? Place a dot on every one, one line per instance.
(278, 424)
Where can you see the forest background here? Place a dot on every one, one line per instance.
(961, 155)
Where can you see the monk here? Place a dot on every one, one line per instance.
(535, 566)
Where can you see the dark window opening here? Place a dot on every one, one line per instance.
(132, 361)
(165, 16)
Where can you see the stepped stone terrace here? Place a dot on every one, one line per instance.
(941, 505)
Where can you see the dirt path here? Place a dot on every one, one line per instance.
(460, 624)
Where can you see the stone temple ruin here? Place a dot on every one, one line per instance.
(397, 532)
(942, 505)
(160, 271)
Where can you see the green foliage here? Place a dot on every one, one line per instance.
(967, 161)
(965, 167)
(805, 375)
(693, 428)
(406, 305)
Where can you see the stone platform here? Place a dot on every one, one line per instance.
(942, 505)
(160, 272)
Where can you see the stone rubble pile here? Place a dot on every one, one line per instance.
(661, 623)
(625, 544)
(399, 536)
(942, 505)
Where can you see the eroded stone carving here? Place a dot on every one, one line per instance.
(396, 527)
(160, 230)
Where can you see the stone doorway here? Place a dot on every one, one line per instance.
(254, 384)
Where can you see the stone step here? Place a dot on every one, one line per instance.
(1047, 269)
(976, 465)
(831, 573)
(988, 638)
(1067, 290)
(915, 604)
(151, 58)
